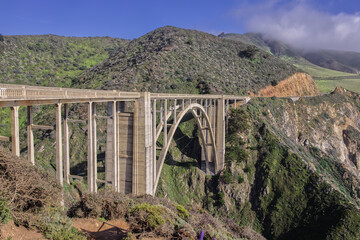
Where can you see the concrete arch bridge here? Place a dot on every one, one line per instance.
(136, 121)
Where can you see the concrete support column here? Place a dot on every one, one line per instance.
(30, 136)
(165, 123)
(220, 134)
(92, 160)
(15, 130)
(154, 139)
(59, 152)
(112, 166)
(66, 145)
(115, 155)
(143, 162)
(174, 111)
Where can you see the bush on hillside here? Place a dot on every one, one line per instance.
(29, 188)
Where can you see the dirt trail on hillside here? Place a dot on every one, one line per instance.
(96, 230)
(11, 231)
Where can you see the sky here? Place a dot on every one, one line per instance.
(303, 23)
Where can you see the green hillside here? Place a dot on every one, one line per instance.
(50, 60)
(171, 59)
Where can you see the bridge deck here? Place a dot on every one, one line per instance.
(23, 95)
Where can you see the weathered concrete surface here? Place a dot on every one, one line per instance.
(131, 164)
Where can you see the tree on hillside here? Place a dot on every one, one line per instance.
(1, 38)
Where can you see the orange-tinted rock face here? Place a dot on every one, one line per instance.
(299, 84)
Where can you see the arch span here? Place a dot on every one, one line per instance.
(201, 118)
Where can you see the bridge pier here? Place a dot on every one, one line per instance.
(30, 136)
(112, 169)
(15, 130)
(92, 151)
(143, 168)
(220, 134)
(66, 145)
(59, 152)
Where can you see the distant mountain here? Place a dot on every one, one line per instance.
(336, 60)
(171, 59)
(50, 60)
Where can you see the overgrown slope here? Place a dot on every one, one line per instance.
(50, 60)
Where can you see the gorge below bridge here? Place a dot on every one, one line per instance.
(139, 130)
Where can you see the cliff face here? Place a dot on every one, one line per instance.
(299, 84)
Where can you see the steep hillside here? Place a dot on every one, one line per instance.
(171, 59)
(50, 60)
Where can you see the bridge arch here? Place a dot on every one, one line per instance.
(204, 124)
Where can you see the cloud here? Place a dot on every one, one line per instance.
(301, 25)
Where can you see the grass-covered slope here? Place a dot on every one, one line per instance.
(171, 59)
(50, 60)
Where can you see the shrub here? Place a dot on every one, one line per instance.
(238, 121)
(5, 212)
(274, 82)
(240, 179)
(148, 216)
(227, 177)
(1, 38)
(183, 213)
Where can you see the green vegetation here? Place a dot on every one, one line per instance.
(188, 61)
(320, 72)
(50, 60)
(150, 214)
(183, 213)
(5, 211)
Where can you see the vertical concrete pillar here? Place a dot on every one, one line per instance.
(220, 134)
(59, 152)
(154, 139)
(91, 177)
(174, 111)
(30, 136)
(165, 123)
(227, 115)
(94, 148)
(112, 170)
(143, 163)
(66, 145)
(15, 130)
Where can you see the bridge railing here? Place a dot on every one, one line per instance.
(22, 92)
